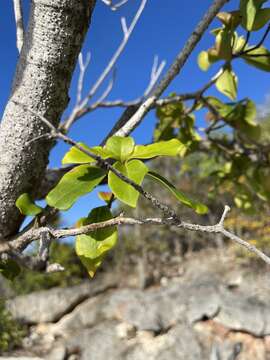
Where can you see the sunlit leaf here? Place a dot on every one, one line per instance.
(76, 183)
(93, 247)
(26, 205)
(259, 58)
(249, 9)
(230, 19)
(224, 43)
(261, 19)
(207, 58)
(227, 83)
(239, 44)
(134, 170)
(179, 195)
(161, 148)
(76, 156)
(120, 147)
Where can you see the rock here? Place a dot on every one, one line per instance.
(125, 331)
(51, 305)
(58, 353)
(238, 311)
(99, 343)
(201, 315)
(20, 358)
(102, 342)
(178, 343)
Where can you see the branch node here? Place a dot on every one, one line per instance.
(225, 212)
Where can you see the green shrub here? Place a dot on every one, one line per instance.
(11, 333)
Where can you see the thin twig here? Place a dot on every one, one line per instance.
(127, 31)
(115, 6)
(174, 70)
(83, 67)
(106, 165)
(260, 43)
(34, 234)
(19, 23)
(155, 74)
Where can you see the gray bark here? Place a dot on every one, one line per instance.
(54, 37)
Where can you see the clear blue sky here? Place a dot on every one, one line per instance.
(162, 29)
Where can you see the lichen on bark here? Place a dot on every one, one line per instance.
(52, 42)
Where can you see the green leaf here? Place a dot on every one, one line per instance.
(230, 19)
(93, 247)
(134, 170)
(239, 44)
(249, 9)
(168, 115)
(250, 113)
(76, 183)
(26, 205)
(120, 147)
(227, 83)
(207, 58)
(261, 19)
(76, 156)
(9, 269)
(261, 62)
(223, 46)
(161, 148)
(180, 196)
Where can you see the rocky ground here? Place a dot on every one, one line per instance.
(213, 309)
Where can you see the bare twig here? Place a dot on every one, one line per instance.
(127, 31)
(174, 70)
(115, 6)
(155, 74)
(34, 234)
(83, 67)
(259, 44)
(19, 23)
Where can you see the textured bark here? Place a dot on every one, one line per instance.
(52, 42)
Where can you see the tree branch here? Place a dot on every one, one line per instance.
(174, 70)
(127, 31)
(19, 23)
(56, 134)
(27, 238)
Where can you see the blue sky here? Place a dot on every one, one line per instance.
(163, 29)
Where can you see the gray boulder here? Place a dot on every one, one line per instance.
(51, 305)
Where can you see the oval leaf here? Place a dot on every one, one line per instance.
(224, 41)
(120, 147)
(180, 196)
(92, 248)
(26, 205)
(227, 83)
(207, 58)
(76, 183)
(161, 148)
(134, 170)
(259, 58)
(76, 156)
(249, 9)
(261, 19)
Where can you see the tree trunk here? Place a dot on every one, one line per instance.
(53, 40)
